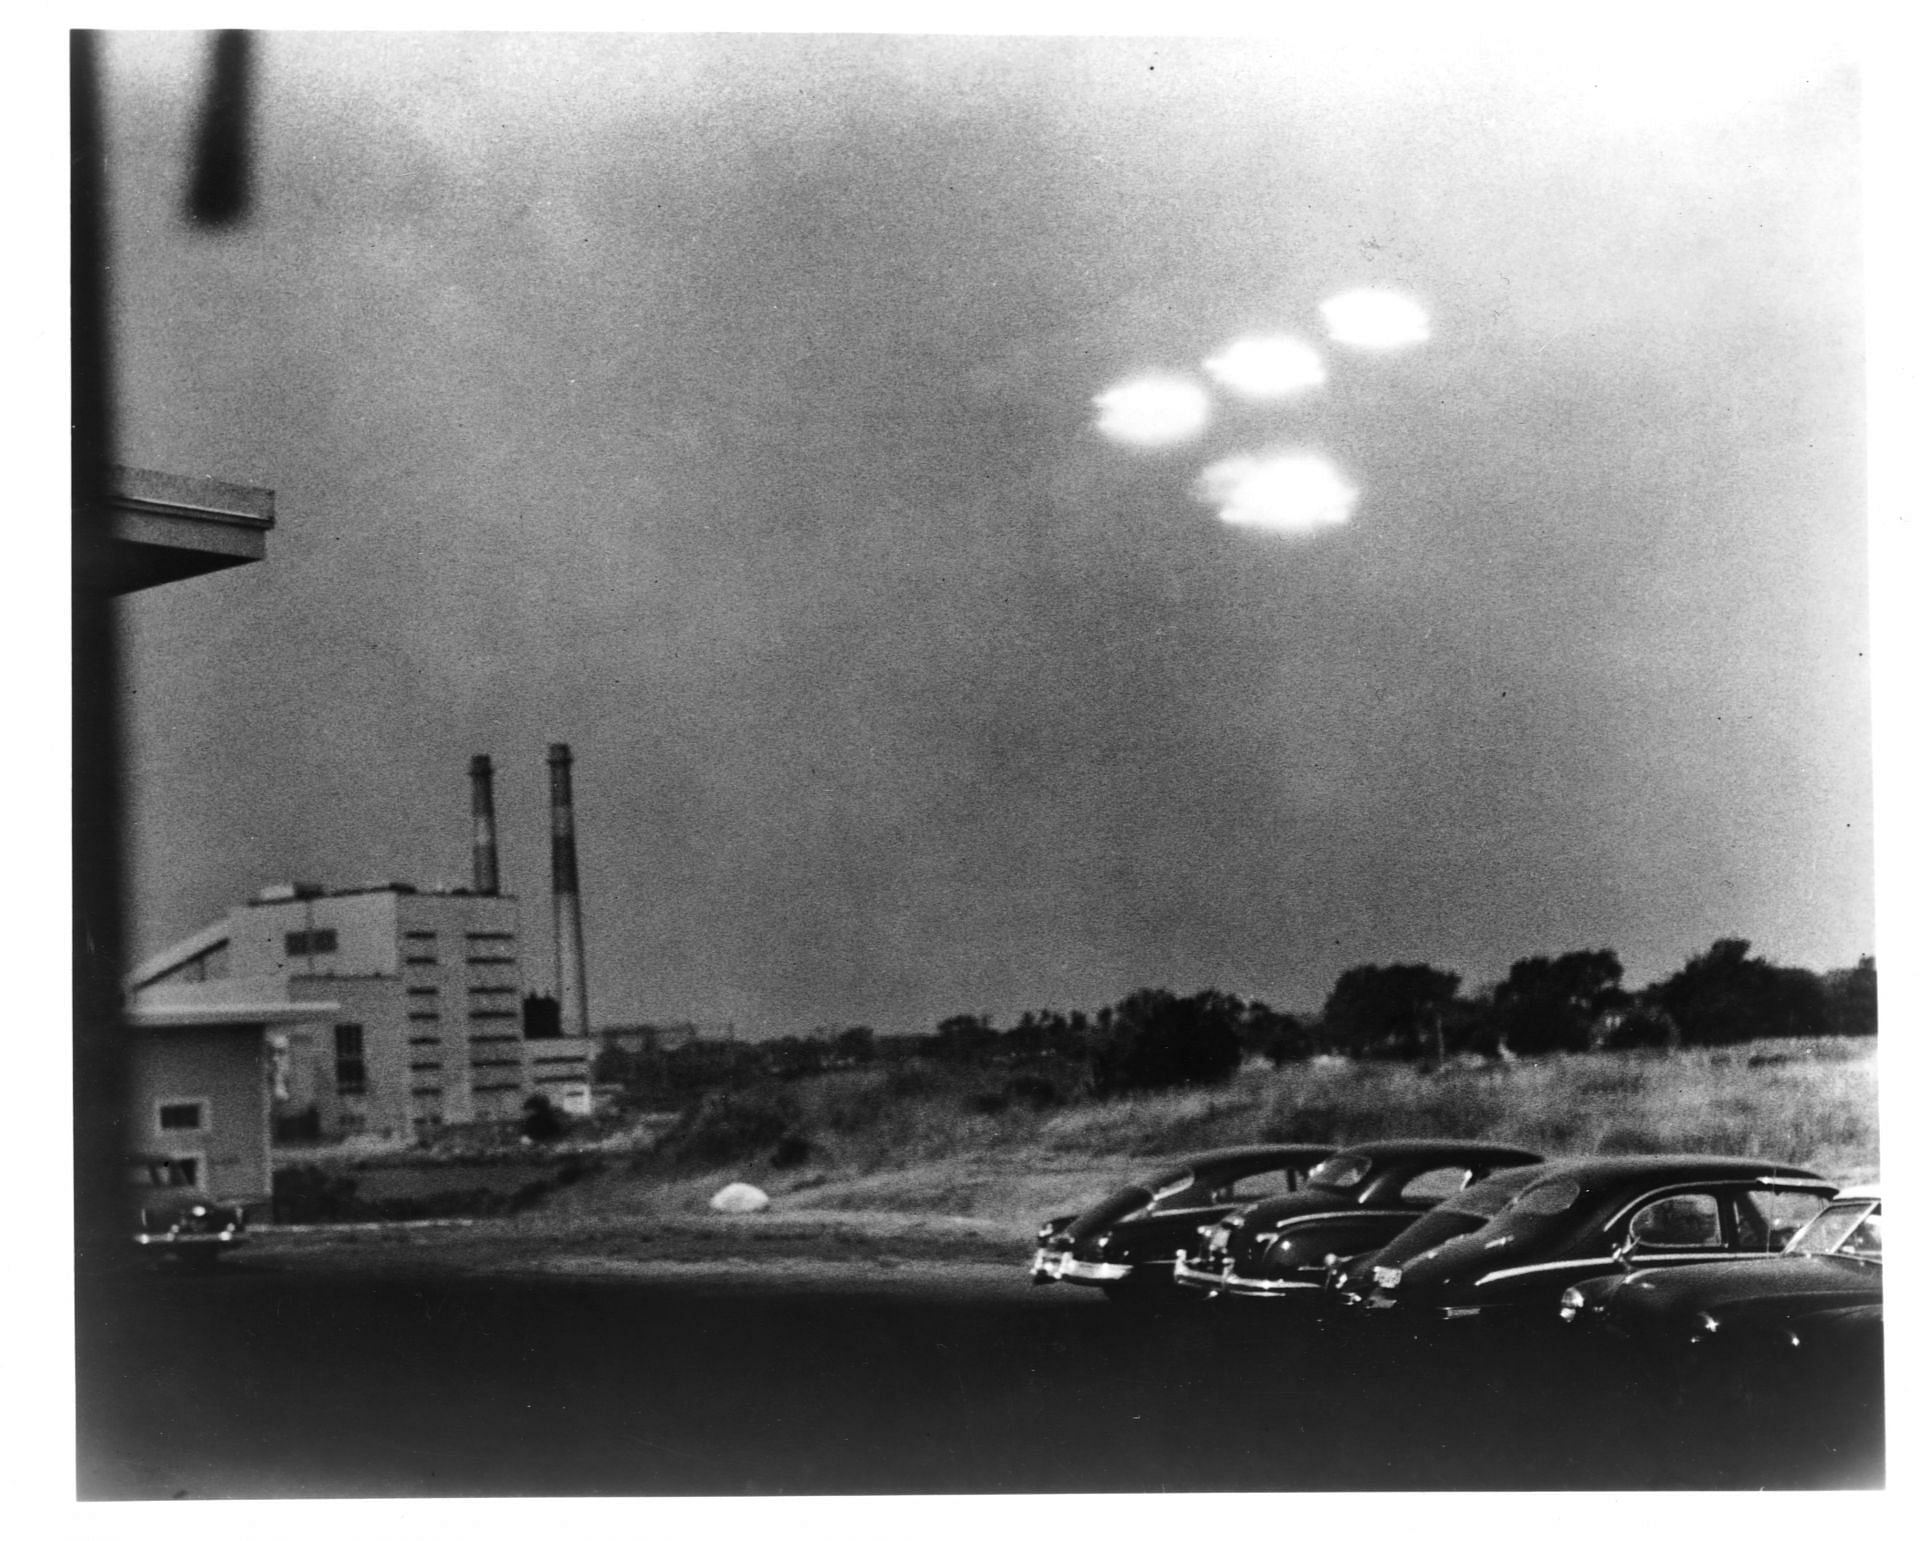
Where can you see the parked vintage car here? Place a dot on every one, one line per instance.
(1512, 1247)
(1126, 1243)
(1354, 1201)
(1826, 1284)
(172, 1218)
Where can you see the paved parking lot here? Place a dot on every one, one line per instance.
(269, 1378)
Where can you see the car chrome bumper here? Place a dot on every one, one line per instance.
(189, 1239)
(1194, 1277)
(1268, 1289)
(1074, 1271)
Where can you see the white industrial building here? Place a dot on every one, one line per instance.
(426, 1024)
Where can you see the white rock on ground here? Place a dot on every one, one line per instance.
(739, 1199)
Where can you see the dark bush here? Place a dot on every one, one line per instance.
(732, 1126)
(966, 1040)
(1154, 1040)
(1394, 1011)
(1036, 1091)
(1641, 1027)
(1727, 995)
(1853, 999)
(310, 1195)
(543, 1121)
(1286, 1039)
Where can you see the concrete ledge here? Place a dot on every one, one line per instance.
(163, 528)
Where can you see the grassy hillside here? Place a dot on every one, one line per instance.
(969, 1143)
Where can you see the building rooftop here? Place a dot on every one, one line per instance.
(222, 1003)
(300, 893)
(165, 528)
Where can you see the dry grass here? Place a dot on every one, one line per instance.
(884, 1143)
(1811, 1103)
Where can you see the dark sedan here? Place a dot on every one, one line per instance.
(1126, 1243)
(1353, 1201)
(172, 1219)
(1829, 1273)
(1513, 1248)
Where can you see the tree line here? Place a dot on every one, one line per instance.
(1154, 1039)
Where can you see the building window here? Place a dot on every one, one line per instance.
(183, 1115)
(349, 1058)
(166, 1171)
(304, 944)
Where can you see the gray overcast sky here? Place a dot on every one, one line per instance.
(724, 407)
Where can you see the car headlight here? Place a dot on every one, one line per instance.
(1572, 1303)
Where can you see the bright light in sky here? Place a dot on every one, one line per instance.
(1374, 318)
(1267, 366)
(1152, 410)
(1292, 493)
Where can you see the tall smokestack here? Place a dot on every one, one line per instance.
(569, 943)
(486, 850)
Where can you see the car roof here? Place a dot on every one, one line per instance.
(1236, 1155)
(1394, 1150)
(1864, 1191)
(1598, 1170)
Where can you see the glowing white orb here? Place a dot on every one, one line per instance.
(1293, 493)
(1266, 367)
(1152, 410)
(1375, 318)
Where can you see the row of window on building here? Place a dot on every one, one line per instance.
(350, 1057)
(423, 946)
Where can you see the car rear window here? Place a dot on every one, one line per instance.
(1554, 1197)
(1436, 1186)
(1340, 1172)
(1484, 1199)
(1261, 1185)
(1841, 1227)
